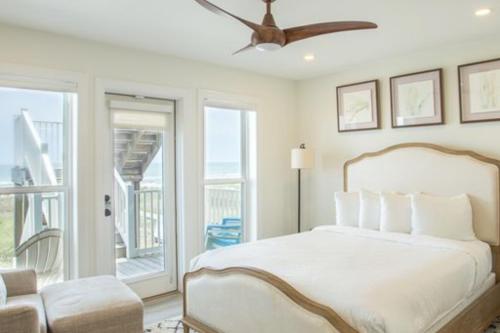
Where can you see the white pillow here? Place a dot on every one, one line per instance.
(445, 217)
(395, 212)
(3, 292)
(347, 208)
(369, 210)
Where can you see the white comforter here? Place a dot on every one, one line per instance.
(377, 282)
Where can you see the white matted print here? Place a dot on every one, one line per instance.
(416, 99)
(485, 91)
(357, 106)
(480, 91)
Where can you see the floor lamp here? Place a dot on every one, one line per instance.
(302, 158)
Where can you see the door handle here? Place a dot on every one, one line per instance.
(107, 205)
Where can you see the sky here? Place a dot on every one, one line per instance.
(223, 139)
(41, 105)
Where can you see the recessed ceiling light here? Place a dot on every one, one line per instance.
(309, 57)
(483, 12)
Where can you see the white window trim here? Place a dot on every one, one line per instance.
(76, 263)
(210, 98)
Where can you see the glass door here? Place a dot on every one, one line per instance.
(143, 197)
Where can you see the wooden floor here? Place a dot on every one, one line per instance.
(129, 268)
(161, 308)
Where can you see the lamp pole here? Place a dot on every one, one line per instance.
(298, 228)
(302, 158)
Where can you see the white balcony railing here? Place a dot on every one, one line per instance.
(221, 202)
(139, 214)
(149, 221)
(138, 218)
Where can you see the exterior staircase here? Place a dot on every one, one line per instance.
(134, 151)
(36, 164)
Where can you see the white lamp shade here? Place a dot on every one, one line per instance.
(302, 158)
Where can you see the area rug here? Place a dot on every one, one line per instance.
(174, 325)
(495, 327)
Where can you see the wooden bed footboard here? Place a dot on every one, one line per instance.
(473, 319)
(279, 284)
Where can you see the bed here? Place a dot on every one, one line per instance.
(344, 279)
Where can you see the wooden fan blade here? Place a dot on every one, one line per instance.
(313, 30)
(219, 11)
(246, 48)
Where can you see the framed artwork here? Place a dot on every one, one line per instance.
(357, 107)
(479, 86)
(417, 99)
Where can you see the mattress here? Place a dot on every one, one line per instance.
(459, 307)
(377, 282)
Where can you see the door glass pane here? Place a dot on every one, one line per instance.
(222, 143)
(32, 133)
(139, 201)
(31, 234)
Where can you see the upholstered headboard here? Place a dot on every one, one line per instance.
(428, 168)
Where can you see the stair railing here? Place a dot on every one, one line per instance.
(51, 133)
(32, 155)
(125, 216)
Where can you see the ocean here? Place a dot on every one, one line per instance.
(214, 170)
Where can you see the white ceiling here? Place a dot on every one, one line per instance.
(185, 29)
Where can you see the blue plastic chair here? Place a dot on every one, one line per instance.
(228, 233)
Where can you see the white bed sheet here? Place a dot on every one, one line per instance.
(376, 281)
(441, 322)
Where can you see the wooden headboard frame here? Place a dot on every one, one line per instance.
(445, 150)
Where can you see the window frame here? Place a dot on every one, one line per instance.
(70, 112)
(242, 180)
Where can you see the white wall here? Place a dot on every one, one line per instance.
(275, 98)
(289, 113)
(318, 119)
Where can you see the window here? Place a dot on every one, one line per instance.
(34, 180)
(229, 170)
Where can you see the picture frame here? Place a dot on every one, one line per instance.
(417, 99)
(479, 91)
(358, 106)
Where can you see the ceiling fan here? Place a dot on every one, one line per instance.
(268, 37)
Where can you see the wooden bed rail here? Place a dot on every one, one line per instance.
(306, 303)
(495, 255)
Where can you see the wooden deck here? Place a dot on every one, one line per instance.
(129, 268)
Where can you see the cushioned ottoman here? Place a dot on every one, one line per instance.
(92, 305)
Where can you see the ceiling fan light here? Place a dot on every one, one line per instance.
(265, 47)
(309, 57)
(483, 12)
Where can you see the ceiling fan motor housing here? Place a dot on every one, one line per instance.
(269, 35)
